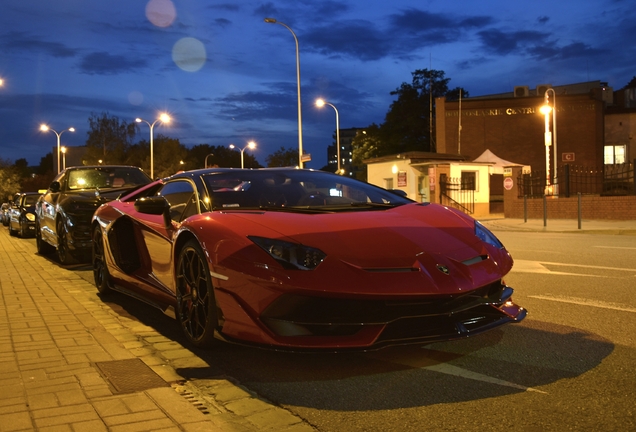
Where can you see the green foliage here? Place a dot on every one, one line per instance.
(9, 180)
(169, 156)
(283, 158)
(108, 139)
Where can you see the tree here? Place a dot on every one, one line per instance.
(9, 180)
(283, 158)
(108, 139)
(365, 145)
(169, 156)
(631, 84)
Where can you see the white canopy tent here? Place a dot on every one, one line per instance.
(496, 163)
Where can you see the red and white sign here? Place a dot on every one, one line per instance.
(508, 183)
(431, 178)
(567, 157)
(401, 179)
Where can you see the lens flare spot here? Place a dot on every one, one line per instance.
(161, 13)
(135, 97)
(189, 54)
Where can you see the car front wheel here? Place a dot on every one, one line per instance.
(63, 254)
(196, 305)
(43, 247)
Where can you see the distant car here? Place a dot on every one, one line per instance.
(301, 260)
(64, 211)
(22, 214)
(4, 213)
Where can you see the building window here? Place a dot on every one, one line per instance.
(388, 183)
(615, 154)
(469, 180)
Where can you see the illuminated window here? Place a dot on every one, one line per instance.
(615, 154)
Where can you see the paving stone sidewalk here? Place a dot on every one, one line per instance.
(57, 341)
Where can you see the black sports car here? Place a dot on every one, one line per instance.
(22, 214)
(64, 212)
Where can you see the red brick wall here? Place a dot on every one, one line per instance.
(513, 129)
(593, 207)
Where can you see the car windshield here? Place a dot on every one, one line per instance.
(105, 177)
(30, 200)
(295, 190)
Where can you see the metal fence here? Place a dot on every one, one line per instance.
(457, 193)
(610, 180)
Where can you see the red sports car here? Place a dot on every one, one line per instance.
(301, 260)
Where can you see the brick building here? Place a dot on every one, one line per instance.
(511, 125)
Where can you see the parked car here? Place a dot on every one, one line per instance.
(64, 211)
(4, 213)
(301, 260)
(22, 214)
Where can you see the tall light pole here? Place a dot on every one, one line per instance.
(554, 134)
(250, 145)
(300, 116)
(45, 128)
(550, 137)
(206, 159)
(320, 103)
(63, 150)
(164, 118)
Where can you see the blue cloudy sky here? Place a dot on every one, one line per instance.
(226, 76)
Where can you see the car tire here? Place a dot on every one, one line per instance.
(12, 232)
(196, 304)
(43, 247)
(63, 254)
(23, 229)
(100, 269)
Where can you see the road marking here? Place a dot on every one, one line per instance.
(528, 266)
(449, 369)
(615, 247)
(585, 302)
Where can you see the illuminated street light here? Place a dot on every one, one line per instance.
(45, 128)
(206, 159)
(300, 121)
(550, 138)
(63, 150)
(320, 103)
(1, 82)
(250, 145)
(164, 118)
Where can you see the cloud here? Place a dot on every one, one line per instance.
(501, 43)
(21, 42)
(103, 63)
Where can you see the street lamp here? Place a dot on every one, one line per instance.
(206, 159)
(555, 175)
(164, 118)
(320, 103)
(45, 128)
(550, 137)
(63, 150)
(300, 121)
(250, 145)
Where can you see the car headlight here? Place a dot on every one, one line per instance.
(30, 217)
(486, 236)
(290, 255)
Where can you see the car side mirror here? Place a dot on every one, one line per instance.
(55, 187)
(155, 205)
(399, 192)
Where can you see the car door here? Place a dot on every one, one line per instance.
(46, 209)
(183, 200)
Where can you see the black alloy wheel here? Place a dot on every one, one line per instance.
(23, 228)
(63, 253)
(196, 305)
(12, 232)
(43, 247)
(100, 269)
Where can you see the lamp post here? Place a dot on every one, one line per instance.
(300, 121)
(164, 118)
(320, 103)
(206, 159)
(63, 150)
(250, 145)
(45, 128)
(550, 137)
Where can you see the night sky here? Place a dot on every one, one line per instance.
(225, 76)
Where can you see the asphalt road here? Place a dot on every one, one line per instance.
(568, 366)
